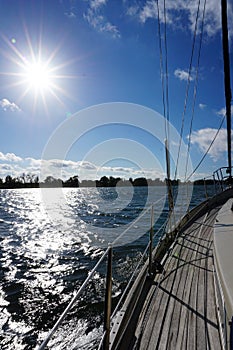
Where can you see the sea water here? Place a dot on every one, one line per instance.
(49, 242)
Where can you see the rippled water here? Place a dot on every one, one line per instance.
(49, 242)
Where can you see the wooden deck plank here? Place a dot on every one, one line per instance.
(179, 311)
(213, 331)
(191, 341)
(207, 274)
(184, 282)
(191, 316)
(201, 341)
(158, 311)
(183, 334)
(181, 273)
(181, 298)
(182, 318)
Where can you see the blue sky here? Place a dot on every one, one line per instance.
(60, 57)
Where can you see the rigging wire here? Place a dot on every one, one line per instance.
(165, 96)
(195, 90)
(166, 66)
(207, 151)
(187, 89)
(162, 70)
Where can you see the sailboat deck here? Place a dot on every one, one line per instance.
(179, 311)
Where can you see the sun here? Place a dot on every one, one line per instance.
(34, 73)
(38, 76)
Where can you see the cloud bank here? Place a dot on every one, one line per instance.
(11, 164)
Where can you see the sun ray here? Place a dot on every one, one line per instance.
(44, 103)
(24, 93)
(14, 49)
(29, 43)
(57, 98)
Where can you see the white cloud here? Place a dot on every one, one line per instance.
(202, 106)
(9, 157)
(148, 11)
(183, 74)
(203, 138)
(87, 165)
(64, 168)
(6, 167)
(183, 12)
(222, 111)
(132, 10)
(95, 17)
(95, 4)
(70, 14)
(33, 162)
(9, 106)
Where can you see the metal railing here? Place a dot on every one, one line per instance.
(108, 315)
(220, 180)
(221, 176)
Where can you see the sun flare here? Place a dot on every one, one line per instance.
(38, 76)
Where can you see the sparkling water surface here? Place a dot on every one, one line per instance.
(47, 249)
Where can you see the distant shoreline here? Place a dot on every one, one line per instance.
(30, 181)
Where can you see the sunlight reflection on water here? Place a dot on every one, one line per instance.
(42, 263)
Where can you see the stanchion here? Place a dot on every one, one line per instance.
(108, 301)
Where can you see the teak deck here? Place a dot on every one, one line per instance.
(178, 309)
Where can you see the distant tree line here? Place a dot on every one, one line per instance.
(22, 181)
(32, 181)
